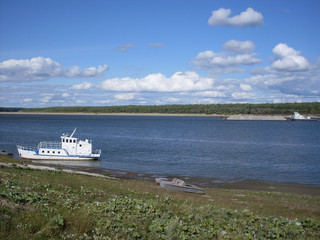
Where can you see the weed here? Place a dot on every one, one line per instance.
(46, 205)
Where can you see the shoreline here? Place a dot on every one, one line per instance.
(250, 117)
(211, 183)
(112, 114)
(245, 184)
(228, 117)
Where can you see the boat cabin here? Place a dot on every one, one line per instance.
(74, 146)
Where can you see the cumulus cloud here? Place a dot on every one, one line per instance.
(81, 86)
(222, 62)
(236, 46)
(288, 59)
(290, 77)
(124, 96)
(40, 69)
(216, 59)
(173, 99)
(243, 95)
(46, 97)
(125, 47)
(180, 81)
(27, 99)
(213, 94)
(245, 87)
(248, 18)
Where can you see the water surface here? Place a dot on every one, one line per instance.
(182, 146)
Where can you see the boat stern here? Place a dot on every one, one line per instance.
(96, 153)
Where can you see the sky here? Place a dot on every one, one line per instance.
(155, 52)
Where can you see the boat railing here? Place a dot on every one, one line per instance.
(26, 148)
(53, 145)
(96, 151)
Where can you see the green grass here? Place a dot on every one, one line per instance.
(47, 205)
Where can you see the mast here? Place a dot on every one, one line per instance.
(73, 132)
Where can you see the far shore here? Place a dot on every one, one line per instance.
(249, 117)
(252, 117)
(112, 114)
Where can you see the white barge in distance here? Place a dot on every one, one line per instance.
(69, 148)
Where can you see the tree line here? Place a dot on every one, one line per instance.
(220, 109)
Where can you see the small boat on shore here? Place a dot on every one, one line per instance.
(69, 148)
(178, 184)
(298, 117)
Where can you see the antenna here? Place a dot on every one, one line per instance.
(73, 132)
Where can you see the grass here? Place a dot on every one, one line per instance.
(50, 205)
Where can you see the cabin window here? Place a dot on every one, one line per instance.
(42, 151)
(66, 140)
(58, 152)
(80, 145)
(74, 141)
(48, 151)
(53, 152)
(62, 140)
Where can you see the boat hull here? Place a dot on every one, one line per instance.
(33, 154)
(190, 189)
(180, 185)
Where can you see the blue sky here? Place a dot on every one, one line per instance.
(116, 52)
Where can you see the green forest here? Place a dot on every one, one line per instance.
(220, 109)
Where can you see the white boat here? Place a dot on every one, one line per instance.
(69, 148)
(298, 117)
(178, 184)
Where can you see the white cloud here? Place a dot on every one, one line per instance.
(80, 101)
(222, 62)
(180, 81)
(248, 18)
(46, 98)
(125, 96)
(243, 95)
(288, 59)
(212, 94)
(125, 47)
(173, 99)
(236, 46)
(245, 87)
(40, 69)
(287, 82)
(103, 101)
(27, 99)
(81, 86)
(65, 95)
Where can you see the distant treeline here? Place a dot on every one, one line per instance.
(221, 109)
(4, 109)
